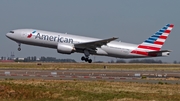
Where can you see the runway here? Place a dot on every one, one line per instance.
(104, 74)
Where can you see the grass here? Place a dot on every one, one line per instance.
(52, 90)
(75, 90)
(56, 66)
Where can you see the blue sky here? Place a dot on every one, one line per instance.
(131, 20)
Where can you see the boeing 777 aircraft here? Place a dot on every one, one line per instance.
(67, 43)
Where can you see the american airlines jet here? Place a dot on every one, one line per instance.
(67, 43)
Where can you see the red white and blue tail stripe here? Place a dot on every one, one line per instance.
(155, 42)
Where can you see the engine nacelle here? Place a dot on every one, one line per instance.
(65, 48)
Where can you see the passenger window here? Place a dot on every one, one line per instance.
(11, 31)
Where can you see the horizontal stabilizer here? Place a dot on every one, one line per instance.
(159, 51)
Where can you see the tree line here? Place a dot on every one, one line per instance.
(43, 59)
(53, 59)
(133, 61)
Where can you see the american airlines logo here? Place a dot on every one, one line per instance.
(30, 35)
(57, 38)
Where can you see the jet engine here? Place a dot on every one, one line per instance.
(65, 48)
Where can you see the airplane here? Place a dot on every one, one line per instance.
(66, 43)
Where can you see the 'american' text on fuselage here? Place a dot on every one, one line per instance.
(54, 38)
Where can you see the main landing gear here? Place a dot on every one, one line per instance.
(19, 48)
(86, 58)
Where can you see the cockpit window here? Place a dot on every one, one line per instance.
(11, 31)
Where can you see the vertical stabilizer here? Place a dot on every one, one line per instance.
(156, 41)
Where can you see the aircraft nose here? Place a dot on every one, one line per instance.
(8, 35)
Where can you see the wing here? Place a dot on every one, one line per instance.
(94, 44)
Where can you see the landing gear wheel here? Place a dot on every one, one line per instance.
(89, 60)
(82, 58)
(19, 49)
(86, 59)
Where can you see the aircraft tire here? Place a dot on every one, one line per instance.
(83, 58)
(19, 49)
(90, 61)
(86, 59)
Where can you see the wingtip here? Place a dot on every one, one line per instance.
(115, 37)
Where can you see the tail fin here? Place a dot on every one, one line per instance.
(156, 41)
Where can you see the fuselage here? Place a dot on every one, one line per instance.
(51, 40)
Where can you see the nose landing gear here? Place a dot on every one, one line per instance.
(86, 58)
(19, 48)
